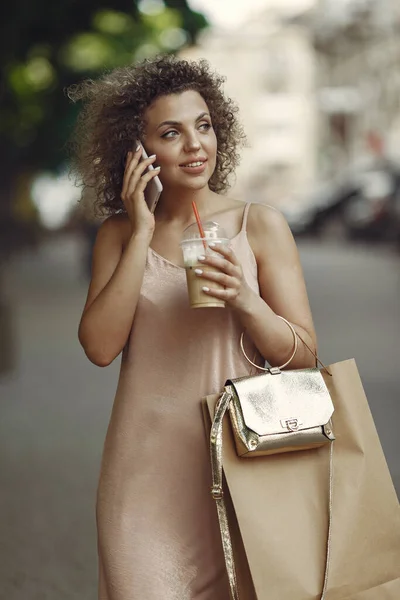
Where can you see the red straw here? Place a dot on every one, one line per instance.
(199, 225)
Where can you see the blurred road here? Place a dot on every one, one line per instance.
(55, 405)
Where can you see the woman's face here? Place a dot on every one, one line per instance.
(179, 131)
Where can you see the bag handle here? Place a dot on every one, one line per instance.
(296, 337)
(217, 493)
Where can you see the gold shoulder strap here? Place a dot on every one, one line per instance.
(218, 495)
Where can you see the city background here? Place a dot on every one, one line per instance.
(318, 85)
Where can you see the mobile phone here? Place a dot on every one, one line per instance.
(154, 187)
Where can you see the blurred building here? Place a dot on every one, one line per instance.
(357, 46)
(269, 62)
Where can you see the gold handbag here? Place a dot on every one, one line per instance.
(270, 413)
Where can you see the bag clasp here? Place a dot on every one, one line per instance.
(291, 424)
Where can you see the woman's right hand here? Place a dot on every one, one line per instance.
(133, 186)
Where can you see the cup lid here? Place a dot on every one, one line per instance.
(212, 231)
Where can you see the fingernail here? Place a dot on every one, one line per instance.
(137, 147)
(205, 289)
(152, 156)
(198, 272)
(202, 257)
(157, 168)
(212, 244)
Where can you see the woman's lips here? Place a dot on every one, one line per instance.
(194, 170)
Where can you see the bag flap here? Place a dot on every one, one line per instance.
(287, 401)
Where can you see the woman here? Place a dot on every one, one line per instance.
(158, 533)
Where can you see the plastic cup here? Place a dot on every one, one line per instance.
(194, 245)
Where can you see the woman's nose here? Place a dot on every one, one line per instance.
(192, 143)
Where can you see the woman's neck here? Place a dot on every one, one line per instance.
(176, 206)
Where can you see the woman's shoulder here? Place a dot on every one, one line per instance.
(263, 218)
(265, 215)
(267, 228)
(259, 220)
(115, 227)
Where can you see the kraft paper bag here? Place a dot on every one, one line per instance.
(281, 507)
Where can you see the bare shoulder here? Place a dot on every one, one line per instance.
(114, 229)
(264, 217)
(268, 230)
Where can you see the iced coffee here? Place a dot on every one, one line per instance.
(193, 245)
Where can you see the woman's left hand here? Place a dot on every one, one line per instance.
(236, 292)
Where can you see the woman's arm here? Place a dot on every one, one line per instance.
(114, 290)
(118, 267)
(282, 289)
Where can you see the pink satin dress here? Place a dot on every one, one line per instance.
(158, 535)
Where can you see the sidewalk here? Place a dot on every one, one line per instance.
(54, 414)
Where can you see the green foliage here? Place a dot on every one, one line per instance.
(46, 46)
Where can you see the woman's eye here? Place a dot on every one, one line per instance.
(205, 126)
(170, 134)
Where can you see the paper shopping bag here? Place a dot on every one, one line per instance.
(281, 506)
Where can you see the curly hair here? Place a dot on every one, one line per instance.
(112, 119)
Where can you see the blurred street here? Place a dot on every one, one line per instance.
(55, 405)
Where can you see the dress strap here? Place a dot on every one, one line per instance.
(245, 215)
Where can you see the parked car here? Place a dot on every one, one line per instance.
(396, 215)
(365, 204)
(370, 214)
(310, 215)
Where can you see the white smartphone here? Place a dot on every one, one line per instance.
(153, 189)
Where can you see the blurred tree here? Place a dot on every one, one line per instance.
(46, 46)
